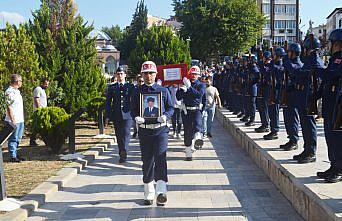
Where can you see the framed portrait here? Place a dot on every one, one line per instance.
(150, 106)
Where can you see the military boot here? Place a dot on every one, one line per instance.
(335, 177)
(271, 136)
(327, 173)
(290, 146)
(307, 157)
(262, 129)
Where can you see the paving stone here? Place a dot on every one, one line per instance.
(222, 183)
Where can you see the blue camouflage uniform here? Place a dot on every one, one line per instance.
(331, 93)
(253, 76)
(291, 115)
(273, 109)
(265, 86)
(193, 99)
(118, 110)
(303, 92)
(153, 141)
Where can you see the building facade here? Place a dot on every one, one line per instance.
(334, 20)
(107, 55)
(282, 20)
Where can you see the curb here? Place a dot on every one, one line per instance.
(38, 196)
(305, 201)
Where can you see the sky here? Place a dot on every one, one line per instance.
(111, 12)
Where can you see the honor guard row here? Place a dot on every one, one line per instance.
(292, 79)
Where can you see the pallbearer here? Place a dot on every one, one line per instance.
(153, 136)
(118, 110)
(331, 106)
(193, 94)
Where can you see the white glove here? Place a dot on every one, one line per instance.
(162, 119)
(186, 82)
(184, 88)
(159, 82)
(139, 120)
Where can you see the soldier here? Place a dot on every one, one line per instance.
(242, 83)
(277, 75)
(140, 81)
(303, 81)
(291, 116)
(153, 137)
(193, 95)
(331, 93)
(118, 110)
(251, 90)
(264, 86)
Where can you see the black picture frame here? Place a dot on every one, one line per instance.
(150, 106)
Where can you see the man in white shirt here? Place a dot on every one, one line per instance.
(39, 101)
(213, 99)
(15, 116)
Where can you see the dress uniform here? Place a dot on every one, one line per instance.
(193, 95)
(291, 116)
(153, 136)
(265, 86)
(277, 73)
(330, 92)
(303, 93)
(243, 78)
(118, 110)
(251, 91)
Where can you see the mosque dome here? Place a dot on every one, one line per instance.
(99, 35)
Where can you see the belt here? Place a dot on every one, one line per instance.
(192, 108)
(152, 126)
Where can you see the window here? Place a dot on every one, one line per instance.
(320, 31)
(266, 8)
(279, 9)
(279, 40)
(279, 24)
(340, 23)
(291, 24)
(291, 9)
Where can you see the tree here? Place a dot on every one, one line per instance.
(138, 24)
(159, 44)
(115, 33)
(218, 27)
(18, 56)
(67, 54)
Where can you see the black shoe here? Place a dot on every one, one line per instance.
(262, 129)
(244, 119)
(271, 136)
(21, 158)
(122, 160)
(33, 143)
(148, 202)
(240, 115)
(290, 146)
(15, 160)
(307, 158)
(235, 112)
(335, 177)
(188, 159)
(209, 135)
(249, 123)
(161, 199)
(198, 144)
(327, 173)
(134, 135)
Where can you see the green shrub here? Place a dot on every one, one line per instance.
(93, 107)
(50, 124)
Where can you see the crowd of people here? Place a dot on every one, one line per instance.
(15, 113)
(287, 78)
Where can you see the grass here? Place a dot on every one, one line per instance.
(41, 163)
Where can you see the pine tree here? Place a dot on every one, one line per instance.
(159, 44)
(18, 56)
(138, 24)
(67, 54)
